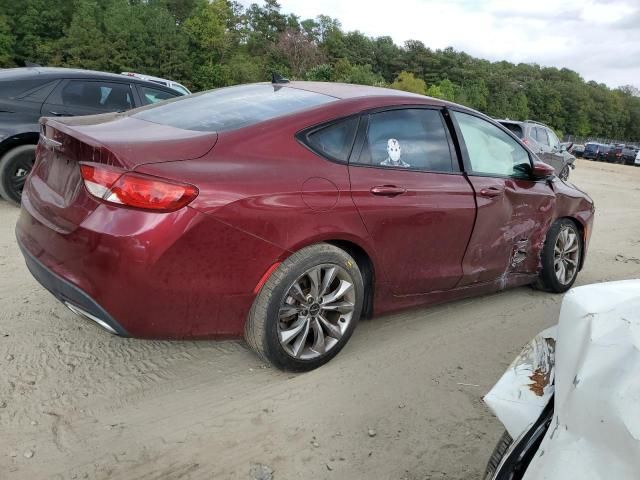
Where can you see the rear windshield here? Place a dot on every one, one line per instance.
(590, 147)
(16, 81)
(514, 128)
(232, 107)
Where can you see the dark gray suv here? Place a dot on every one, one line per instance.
(26, 94)
(544, 143)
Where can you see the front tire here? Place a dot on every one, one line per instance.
(15, 165)
(498, 454)
(561, 257)
(564, 173)
(307, 309)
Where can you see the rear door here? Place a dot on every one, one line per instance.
(89, 97)
(414, 201)
(513, 210)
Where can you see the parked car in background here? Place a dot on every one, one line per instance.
(614, 155)
(637, 160)
(577, 150)
(26, 94)
(543, 141)
(629, 154)
(591, 150)
(569, 401)
(178, 87)
(175, 220)
(603, 152)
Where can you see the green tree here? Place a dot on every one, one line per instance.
(408, 82)
(83, 45)
(7, 41)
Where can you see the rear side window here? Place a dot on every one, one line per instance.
(336, 140)
(153, 95)
(232, 107)
(108, 97)
(14, 82)
(414, 139)
(514, 128)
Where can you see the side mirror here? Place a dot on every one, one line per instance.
(541, 170)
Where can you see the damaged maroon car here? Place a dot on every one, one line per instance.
(285, 212)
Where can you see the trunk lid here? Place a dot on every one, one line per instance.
(55, 192)
(132, 142)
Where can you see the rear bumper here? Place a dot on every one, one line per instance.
(146, 275)
(70, 295)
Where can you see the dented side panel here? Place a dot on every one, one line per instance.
(510, 228)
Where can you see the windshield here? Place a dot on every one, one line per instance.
(232, 107)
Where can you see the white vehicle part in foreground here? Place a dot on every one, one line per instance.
(524, 390)
(595, 432)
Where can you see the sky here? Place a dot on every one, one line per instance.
(600, 39)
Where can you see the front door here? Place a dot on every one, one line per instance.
(514, 211)
(415, 203)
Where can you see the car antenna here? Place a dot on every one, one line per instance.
(277, 78)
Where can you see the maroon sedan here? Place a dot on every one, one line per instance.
(286, 212)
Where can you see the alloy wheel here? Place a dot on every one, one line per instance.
(566, 255)
(316, 311)
(21, 168)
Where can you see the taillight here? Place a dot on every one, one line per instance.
(136, 190)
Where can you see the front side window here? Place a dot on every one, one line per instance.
(492, 151)
(153, 95)
(414, 139)
(553, 139)
(107, 97)
(541, 136)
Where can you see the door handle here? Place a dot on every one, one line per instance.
(491, 192)
(387, 190)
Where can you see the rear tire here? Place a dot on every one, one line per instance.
(15, 165)
(498, 453)
(307, 309)
(561, 257)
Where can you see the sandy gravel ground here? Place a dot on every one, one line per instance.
(402, 401)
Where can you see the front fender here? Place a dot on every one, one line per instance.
(525, 389)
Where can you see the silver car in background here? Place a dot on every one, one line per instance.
(178, 87)
(545, 143)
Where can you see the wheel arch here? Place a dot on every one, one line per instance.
(363, 257)
(28, 138)
(367, 269)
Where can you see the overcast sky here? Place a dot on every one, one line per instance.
(600, 39)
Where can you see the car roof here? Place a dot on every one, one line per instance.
(58, 72)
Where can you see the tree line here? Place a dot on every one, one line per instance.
(213, 43)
